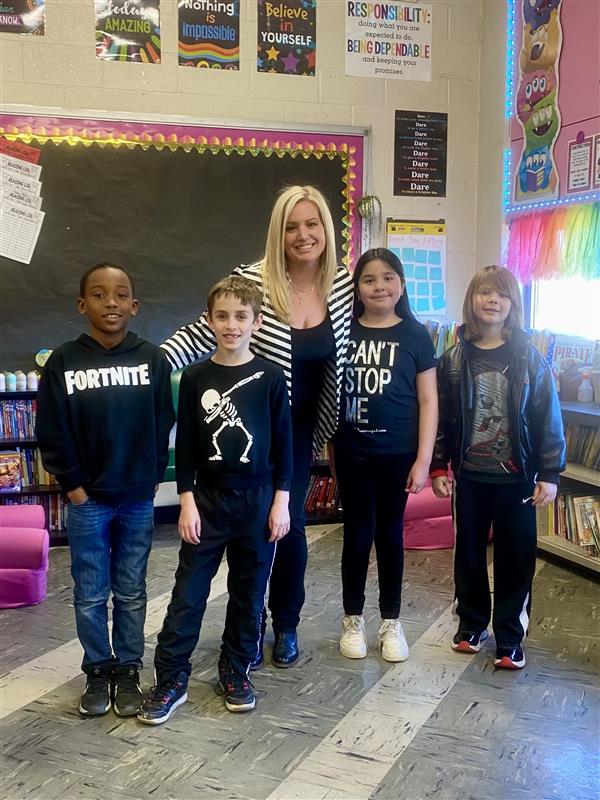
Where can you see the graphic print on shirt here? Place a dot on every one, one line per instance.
(219, 405)
(490, 449)
(368, 372)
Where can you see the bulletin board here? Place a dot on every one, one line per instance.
(553, 103)
(421, 247)
(178, 204)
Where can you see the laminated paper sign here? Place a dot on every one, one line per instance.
(128, 30)
(287, 36)
(209, 33)
(421, 247)
(388, 40)
(23, 16)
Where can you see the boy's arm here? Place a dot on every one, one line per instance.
(549, 456)
(186, 439)
(163, 412)
(440, 457)
(53, 430)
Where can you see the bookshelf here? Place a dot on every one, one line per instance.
(17, 433)
(578, 479)
(315, 514)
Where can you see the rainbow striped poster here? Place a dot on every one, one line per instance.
(209, 33)
(128, 30)
(421, 247)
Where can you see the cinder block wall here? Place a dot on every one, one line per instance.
(61, 70)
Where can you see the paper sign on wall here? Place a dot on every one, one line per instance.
(421, 247)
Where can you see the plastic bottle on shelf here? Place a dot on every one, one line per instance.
(11, 381)
(20, 380)
(32, 381)
(585, 393)
(2, 382)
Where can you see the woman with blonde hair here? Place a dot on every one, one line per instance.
(307, 306)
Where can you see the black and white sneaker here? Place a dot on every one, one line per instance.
(464, 642)
(95, 701)
(127, 694)
(162, 700)
(509, 657)
(236, 688)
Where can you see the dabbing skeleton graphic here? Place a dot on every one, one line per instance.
(219, 405)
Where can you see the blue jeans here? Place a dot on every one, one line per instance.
(109, 547)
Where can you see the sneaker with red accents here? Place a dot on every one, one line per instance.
(465, 642)
(509, 658)
(235, 687)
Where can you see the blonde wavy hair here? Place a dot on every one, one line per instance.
(274, 265)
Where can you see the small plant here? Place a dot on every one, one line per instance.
(369, 208)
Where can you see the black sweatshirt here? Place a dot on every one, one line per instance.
(233, 427)
(104, 417)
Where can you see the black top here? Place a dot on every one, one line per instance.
(490, 444)
(311, 349)
(379, 412)
(233, 427)
(104, 416)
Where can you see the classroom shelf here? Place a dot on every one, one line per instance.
(583, 474)
(560, 547)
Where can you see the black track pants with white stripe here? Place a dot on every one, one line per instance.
(477, 506)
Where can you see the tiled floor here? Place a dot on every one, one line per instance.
(439, 725)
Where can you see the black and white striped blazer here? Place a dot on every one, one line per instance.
(273, 341)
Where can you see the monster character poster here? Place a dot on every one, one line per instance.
(287, 36)
(23, 16)
(128, 30)
(555, 98)
(209, 33)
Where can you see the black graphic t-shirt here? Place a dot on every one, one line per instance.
(379, 412)
(233, 427)
(490, 450)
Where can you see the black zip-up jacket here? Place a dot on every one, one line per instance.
(104, 417)
(534, 409)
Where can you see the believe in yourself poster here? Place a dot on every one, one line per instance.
(287, 36)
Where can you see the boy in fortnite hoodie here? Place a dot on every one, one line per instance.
(103, 420)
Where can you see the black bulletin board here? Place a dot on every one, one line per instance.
(177, 218)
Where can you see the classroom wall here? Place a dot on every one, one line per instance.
(60, 69)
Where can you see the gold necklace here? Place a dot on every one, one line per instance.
(297, 292)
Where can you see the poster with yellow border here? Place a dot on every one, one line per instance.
(421, 247)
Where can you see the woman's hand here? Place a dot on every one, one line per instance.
(189, 524)
(442, 486)
(279, 516)
(543, 494)
(78, 496)
(417, 477)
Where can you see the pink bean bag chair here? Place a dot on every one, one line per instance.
(428, 522)
(23, 556)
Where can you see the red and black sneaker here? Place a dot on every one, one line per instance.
(235, 687)
(465, 642)
(509, 658)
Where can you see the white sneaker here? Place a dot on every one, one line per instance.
(392, 641)
(353, 641)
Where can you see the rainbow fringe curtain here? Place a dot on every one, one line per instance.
(561, 243)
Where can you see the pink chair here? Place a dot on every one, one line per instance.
(24, 545)
(428, 522)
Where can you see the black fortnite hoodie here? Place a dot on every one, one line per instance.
(104, 417)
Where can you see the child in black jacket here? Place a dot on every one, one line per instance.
(103, 420)
(500, 425)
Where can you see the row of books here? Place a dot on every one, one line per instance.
(569, 357)
(574, 517)
(583, 445)
(322, 498)
(17, 420)
(443, 334)
(55, 508)
(22, 468)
